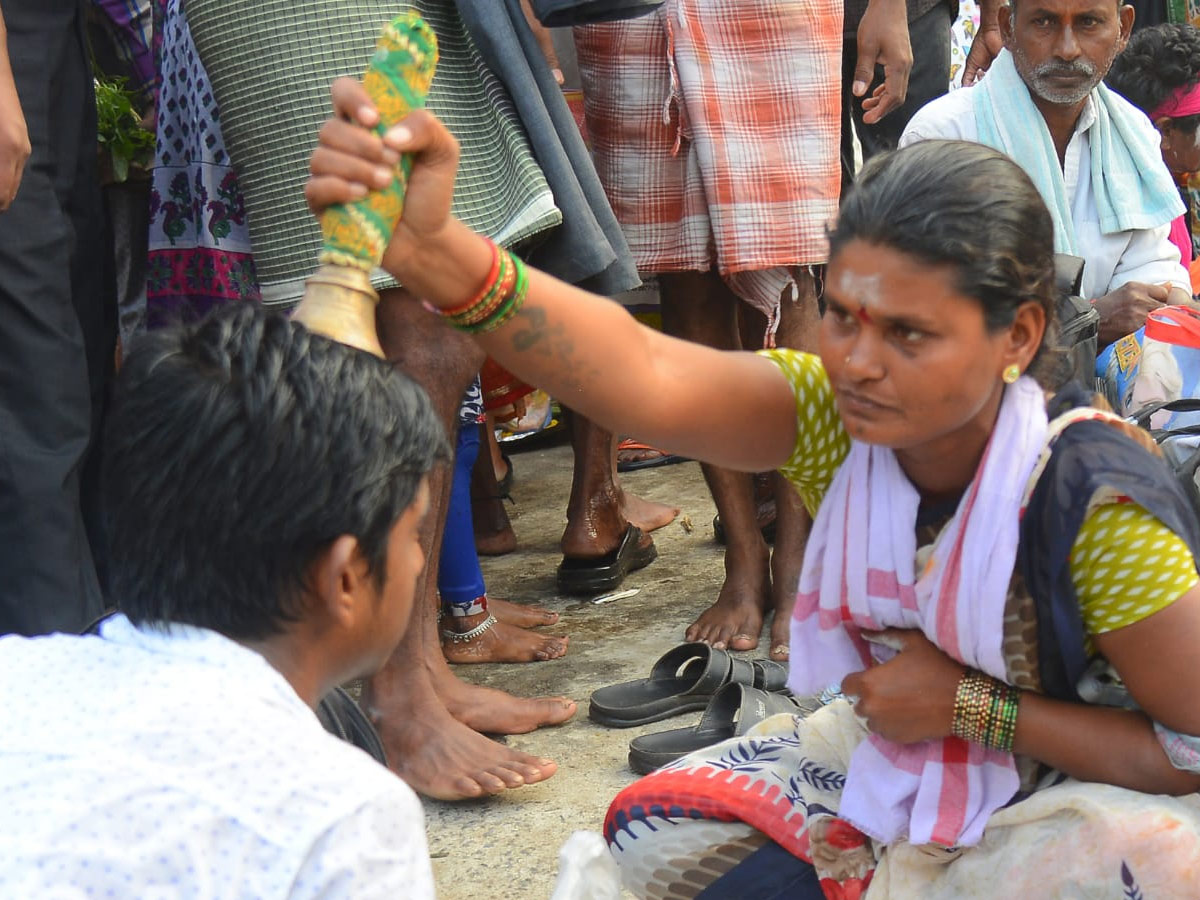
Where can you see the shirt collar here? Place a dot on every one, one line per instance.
(1087, 117)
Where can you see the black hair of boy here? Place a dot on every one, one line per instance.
(240, 447)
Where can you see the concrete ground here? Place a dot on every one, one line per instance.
(506, 847)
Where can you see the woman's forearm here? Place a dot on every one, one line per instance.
(1101, 744)
(736, 410)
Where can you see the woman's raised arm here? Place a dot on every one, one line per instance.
(733, 409)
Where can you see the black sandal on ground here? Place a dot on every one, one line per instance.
(733, 711)
(683, 679)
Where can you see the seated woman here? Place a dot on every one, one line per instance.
(1159, 73)
(1006, 589)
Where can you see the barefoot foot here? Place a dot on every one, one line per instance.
(499, 644)
(785, 577)
(735, 620)
(787, 560)
(780, 638)
(492, 711)
(520, 614)
(647, 515)
(442, 758)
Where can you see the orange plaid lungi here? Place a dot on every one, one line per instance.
(715, 126)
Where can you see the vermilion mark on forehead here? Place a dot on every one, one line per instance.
(862, 315)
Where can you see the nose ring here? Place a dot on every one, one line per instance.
(846, 362)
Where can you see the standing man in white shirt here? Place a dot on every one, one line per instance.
(1043, 103)
(265, 490)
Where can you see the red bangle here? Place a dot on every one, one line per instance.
(502, 288)
(488, 284)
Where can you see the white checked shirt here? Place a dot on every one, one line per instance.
(1111, 260)
(180, 764)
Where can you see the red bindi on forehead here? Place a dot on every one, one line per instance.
(862, 315)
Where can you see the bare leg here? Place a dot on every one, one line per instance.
(494, 535)
(697, 306)
(595, 516)
(436, 754)
(797, 328)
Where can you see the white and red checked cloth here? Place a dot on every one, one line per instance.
(714, 127)
(860, 574)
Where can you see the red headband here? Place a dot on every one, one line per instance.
(1184, 101)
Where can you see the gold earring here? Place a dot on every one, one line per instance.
(1011, 373)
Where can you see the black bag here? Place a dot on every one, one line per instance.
(1079, 326)
(344, 718)
(557, 13)
(1180, 446)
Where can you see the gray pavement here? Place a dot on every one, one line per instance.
(506, 847)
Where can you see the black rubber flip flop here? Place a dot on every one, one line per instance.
(633, 465)
(733, 711)
(604, 573)
(683, 679)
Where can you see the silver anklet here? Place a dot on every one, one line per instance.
(456, 637)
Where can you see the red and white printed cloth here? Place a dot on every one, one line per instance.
(714, 126)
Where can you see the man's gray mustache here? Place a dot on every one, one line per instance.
(1065, 70)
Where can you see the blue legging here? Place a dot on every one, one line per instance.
(460, 580)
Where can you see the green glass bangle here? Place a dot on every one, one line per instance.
(481, 310)
(507, 308)
(514, 304)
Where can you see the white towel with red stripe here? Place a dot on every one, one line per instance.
(860, 573)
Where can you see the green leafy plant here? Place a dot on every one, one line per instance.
(120, 130)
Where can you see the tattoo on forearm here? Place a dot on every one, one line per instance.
(533, 334)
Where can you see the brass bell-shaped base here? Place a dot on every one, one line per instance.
(339, 303)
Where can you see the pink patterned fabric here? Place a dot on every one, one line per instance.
(1183, 102)
(859, 576)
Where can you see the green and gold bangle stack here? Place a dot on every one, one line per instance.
(339, 301)
(985, 711)
(502, 294)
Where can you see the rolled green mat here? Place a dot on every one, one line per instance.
(397, 79)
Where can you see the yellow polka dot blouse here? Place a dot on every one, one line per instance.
(1125, 563)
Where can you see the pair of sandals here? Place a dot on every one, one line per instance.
(735, 694)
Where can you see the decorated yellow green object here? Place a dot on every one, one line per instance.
(339, 301)
(397, 79)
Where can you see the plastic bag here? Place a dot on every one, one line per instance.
(586, 870)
